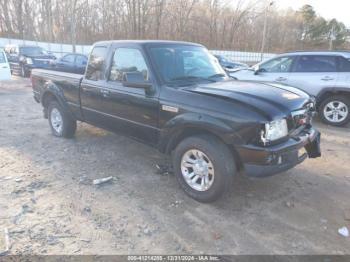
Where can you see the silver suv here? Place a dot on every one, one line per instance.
(325, 75)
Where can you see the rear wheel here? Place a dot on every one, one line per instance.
(204, 167)
(335, 110)
(61, 123)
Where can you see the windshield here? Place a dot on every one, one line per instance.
(32, 50)
(186, 63)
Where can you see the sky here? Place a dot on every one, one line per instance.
(329, 9)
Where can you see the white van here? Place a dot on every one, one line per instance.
(5, 72)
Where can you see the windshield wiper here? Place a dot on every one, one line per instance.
(192, 78)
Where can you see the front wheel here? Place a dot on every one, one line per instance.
(204, 167)
(335, 110)
(61, 123)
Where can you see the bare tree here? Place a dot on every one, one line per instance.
(219, 24)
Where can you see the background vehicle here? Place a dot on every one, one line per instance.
(176, 97)
(5, 73)
(325, 75)
(71, 63)
(23, 59)
(227, 64)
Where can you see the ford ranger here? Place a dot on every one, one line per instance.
(176, 97)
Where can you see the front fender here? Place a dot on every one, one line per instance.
(175, 127)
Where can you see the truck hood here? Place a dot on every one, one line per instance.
(271, 100)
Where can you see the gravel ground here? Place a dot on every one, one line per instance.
(49, 205)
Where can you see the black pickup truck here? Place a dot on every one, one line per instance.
(176, 97)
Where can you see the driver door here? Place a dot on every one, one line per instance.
(132, 111)
(275, 70)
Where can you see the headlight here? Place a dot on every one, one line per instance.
(274, 130)
(29, 61)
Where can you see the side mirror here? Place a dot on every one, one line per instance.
(136, 80)
(257, 71)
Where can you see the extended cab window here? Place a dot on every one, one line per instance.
(127, 60)
(343, 65)
(95, 68)
(277, 65)
(312, 63)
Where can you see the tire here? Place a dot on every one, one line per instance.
(342, 110)
(61, 123)
(220, 159)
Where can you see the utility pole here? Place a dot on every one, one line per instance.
(73, 25)
(263, 41)
(332, 37)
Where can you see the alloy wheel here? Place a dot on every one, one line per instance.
(197, 170)
(56, 120)
(335, 111)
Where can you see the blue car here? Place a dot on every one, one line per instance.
(71, 63)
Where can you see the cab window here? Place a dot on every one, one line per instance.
(127, 60)
(343, 64)
(313, 64)
(96, 66)
(277, 65)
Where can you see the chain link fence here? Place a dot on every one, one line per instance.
(61, 49)
(57, 49)
(249, 58)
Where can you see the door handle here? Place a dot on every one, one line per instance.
(4, 67)
(281, 79)
(327, 78)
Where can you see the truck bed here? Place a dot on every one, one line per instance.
(56, 75)
(68, 83)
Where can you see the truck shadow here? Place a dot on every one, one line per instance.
(286, 206)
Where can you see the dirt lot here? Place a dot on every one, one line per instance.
(49, 205)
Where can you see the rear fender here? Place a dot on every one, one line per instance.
(325, 92)
(53, 91)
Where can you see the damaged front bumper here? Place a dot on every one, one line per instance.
(259, 161)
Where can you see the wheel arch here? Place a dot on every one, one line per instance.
(327, 92)
(53, 93)
(186, 126)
